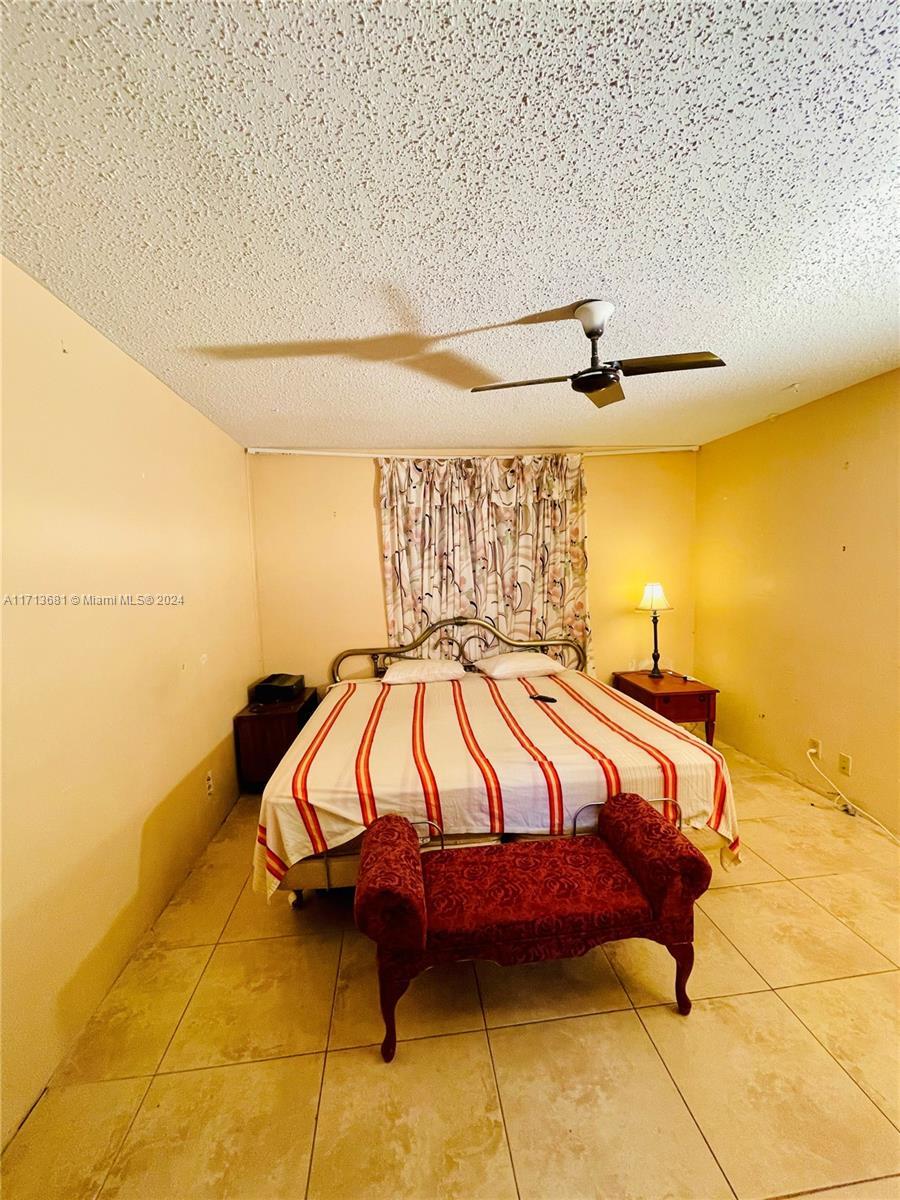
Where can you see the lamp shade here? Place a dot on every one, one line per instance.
(653, 599)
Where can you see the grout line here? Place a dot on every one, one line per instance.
(760, 991)
(187, 1004)
(315, 1128)
(238, 1062)
(621, 981)
(773, 986)
(578, 1016)
(200, 978)
(684, 1101)
(490, 1048)
(827, 911)
(828, 1187)
(408, 1041)
(115, 1157)
(855, 932)
(832, 1055)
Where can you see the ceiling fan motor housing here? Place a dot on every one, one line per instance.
(594, 379)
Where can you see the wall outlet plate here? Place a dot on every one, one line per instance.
(815, 746)
(845, 764)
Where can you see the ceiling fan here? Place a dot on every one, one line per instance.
(600, 381)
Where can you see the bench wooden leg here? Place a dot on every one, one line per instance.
(390, 988)
(683, 953)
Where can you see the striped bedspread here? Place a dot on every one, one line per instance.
(478, 755)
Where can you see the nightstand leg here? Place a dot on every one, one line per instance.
(710, 731)
(297, 901)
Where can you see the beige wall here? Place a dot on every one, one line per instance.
(797, 560)
(112, 716)
(317, 531)
(318, 538)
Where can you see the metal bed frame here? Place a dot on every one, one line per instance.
(381, 656)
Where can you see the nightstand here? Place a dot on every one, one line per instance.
(263, 733)
(672, 696)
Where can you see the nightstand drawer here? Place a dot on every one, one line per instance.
(683, 708)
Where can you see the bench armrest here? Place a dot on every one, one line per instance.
(390, 892)
(670, 871)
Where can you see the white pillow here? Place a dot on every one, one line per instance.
(520, 665)
(423, 670)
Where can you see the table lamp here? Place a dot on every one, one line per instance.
(654, 601)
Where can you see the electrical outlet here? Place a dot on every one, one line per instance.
(815, 747)
(845, 764)
(209, 783)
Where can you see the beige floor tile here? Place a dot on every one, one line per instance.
(196, 914)
(866, 901)
(591, 1112)
(739, 765)
(647, 969)
(751, 869)
(779, 1113)
(258, 1000)
(786, 936)
(567, 987)
(858, 1021)
(66, 1146)
(875, 1189)
(129, 1032)
(426, 1125)
(757, 796)
(240, 825)
(817, 841)
(242, 1132)
(254, 918)
(443, 1000)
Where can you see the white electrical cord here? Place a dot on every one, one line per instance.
(849, 806)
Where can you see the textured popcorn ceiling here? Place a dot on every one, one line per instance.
(197, 173)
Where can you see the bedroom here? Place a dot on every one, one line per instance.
(242, 248)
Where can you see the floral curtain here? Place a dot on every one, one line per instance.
(498, 538)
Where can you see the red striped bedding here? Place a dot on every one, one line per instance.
(478, 755)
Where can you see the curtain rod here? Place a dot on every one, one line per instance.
(597, 452)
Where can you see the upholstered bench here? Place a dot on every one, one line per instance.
(527, 901)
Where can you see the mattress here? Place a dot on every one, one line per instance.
(478, 756)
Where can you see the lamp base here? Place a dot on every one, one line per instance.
(656, 673)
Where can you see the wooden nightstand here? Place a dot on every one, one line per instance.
(263, 733)
(672, 696)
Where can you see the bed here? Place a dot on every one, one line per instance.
(475, 758)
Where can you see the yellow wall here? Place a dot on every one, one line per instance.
(640, 529)
(797, 574)
(112, 716)
(318, 546)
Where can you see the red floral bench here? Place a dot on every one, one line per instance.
(527, 901)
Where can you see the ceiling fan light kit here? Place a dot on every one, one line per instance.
(593, 315)
(600, 382)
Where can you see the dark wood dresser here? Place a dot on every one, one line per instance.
(263, 733)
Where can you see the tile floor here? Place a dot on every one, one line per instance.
(236, 1055)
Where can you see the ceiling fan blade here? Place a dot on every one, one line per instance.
(493, 387)
(608, 395)
(668, 362)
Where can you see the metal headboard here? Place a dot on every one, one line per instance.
(382, 655)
